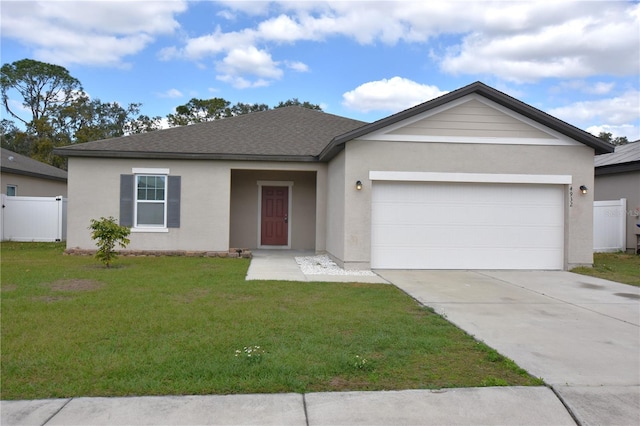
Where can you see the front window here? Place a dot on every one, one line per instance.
(151, 206)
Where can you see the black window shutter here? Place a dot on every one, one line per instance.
(173, 202)
(126, 200)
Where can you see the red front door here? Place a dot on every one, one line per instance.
(275, 216)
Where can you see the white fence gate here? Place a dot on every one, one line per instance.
(609, 225)
(33, 218)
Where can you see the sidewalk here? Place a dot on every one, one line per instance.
(468, 406)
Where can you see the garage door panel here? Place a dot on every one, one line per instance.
(397, 237)
(449, 258)
(426, 225)
(414, 214)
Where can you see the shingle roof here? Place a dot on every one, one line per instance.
(623, 154)
(293, 133)
(625, 158)
(486, 91)
(21, 165)
(288, 133)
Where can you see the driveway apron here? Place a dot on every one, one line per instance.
(580, 334)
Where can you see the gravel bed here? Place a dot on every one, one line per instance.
(323, 265)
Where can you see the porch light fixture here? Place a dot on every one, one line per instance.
(584, 189)
(358, 185)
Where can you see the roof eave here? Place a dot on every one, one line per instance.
(183, 155)
(632, 166)
(32, 174)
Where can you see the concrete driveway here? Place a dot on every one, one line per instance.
(580, 334)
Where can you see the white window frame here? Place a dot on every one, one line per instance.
(15, 190)
(150, 227)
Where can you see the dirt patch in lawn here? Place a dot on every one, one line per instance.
(75, 285)
(9, 287)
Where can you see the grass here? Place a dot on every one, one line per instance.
(174, 325)
(619, 267)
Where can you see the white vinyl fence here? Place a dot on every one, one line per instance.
(609, 225)
(33, 218)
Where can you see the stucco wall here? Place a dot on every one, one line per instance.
(29, 186)
(363, 156)
(245, 209)
(94, 191)
(622, 185)
(335, 207)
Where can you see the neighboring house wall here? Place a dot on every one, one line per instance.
(364, 156)
(29, 186)
(622, 185)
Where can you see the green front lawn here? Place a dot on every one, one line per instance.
(620, 267)
(174, 325)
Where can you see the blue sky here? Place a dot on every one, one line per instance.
(579, 61)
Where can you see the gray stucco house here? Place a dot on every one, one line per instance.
(617, 175)
(474, 179)
(26, 177)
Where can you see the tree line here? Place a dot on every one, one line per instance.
(48, 108)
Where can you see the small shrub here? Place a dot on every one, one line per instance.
(108, 233)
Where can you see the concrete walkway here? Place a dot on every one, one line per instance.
(580, 334)
(281, 265)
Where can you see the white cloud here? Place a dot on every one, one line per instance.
(515, 41)
(248, 62)
(592, 88)
(631, 132)
(94, 33)
(393, 95)
(613, 111)
(600, 38)
(618, 115)
(297, 66)
(171, 93)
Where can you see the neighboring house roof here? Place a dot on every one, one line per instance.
(22, 165)
(283, 134)
(490, 93)
(625, 158)
(292, 133)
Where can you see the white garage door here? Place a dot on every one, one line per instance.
(442, 225)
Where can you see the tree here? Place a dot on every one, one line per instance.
(61, 112)
(143, 124)
(608, 137)
(199, 111)
(86, 120)
(296, 102)
(43, 87)
(242, 108)
(108, 233)
(203, 110)
(14, 139)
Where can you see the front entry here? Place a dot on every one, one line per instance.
(275, 216)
